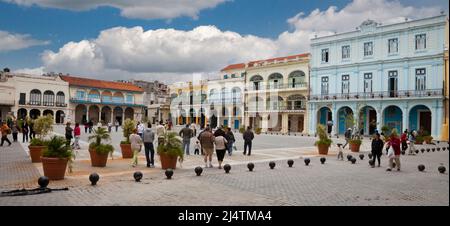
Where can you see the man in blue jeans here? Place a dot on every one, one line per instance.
(248, 137)
(186, 133)
(149, 137)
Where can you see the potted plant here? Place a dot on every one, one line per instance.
(258, 131)
(170, 150)
(427, 137)
(125, 146)
(98, 151)
(42, 126)
(242, 129)
(355, 143)
(419, 139)
(323, 144)
(55, 157)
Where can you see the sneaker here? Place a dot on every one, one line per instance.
(389, 170)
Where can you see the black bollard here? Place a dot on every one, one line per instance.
(361, 156)
(198, 170)
(227, 168)
(353, 160)
(272, 165)
(137, 176)
(421, 167)
(250, 166)
(43, 181)
(307, 161)
(93, 178)
(442, 169)
(169, 173)
(290, 162)
(322, 160)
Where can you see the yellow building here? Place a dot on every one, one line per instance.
(188, 102)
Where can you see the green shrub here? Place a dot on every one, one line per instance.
(96, 144)
(57, 148)
(43, 125)
(171, 145)
(258, 131)
(128, 127)
(38, 142)
(323, 136)
(242, 129)
(355, 141)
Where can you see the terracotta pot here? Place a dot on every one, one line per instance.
(36, 153)
(98, 160)
(168, 161)
(323, 149)
(355, 147)
(127, 153)
(54, 168)
(418, 142)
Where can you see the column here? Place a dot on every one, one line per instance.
(379, 119)
(100, 114)
(87, 113)
(405, 118)
(284, 123)
(112, 119)
(335, 119)
(313, 121)
(264, 123)
(436, 120)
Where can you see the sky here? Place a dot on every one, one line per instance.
(173, 40)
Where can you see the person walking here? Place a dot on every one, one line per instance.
(348, 136)
(148, 138)
(136, 143)
(198, 138)
(117, 125)
(69, 136)
(15, 130)
(187, 134)
(207, 143)
(140, 129)
(404, 139)
(160, 131)
(5, 131)
(25, 131)
(412, 142)
(109, 127)
(394, 153)
(91, 125)
(194, 129)
(248, 138)
(230, 140)
(77, 134)
(221, 148)
(377, 149)
(32, 133)
(86, 126)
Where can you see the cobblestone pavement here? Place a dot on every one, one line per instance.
(333, 183)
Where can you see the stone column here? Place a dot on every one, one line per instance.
(264, 122)
(335, 118)
(405, 118)
(284, 123)
(313, 121)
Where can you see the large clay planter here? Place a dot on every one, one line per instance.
(127, 153)
(355, 147)
(98, 160)
(168, 161)
(418, 142)
(323, 149)
(36, 153)
(54, 168)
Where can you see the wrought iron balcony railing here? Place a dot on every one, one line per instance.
(378, 95)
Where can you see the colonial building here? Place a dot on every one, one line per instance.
(445, 124)
(276, 94)
(23, 95)
(103, 101)
(189, 102)
(379, 75)
(226, 99)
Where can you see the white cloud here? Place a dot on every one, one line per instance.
(31, 71)
(143, 9)
(169, 55)
(12, 41)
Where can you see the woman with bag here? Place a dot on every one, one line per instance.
(136, 144)
(394, 152)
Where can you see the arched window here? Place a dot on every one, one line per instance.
(275, 81)
(256, 82)
(296, 102)
(60, 99)
(297, 79)
(35, 97)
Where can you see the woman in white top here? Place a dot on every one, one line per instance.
(221, 147)
(136, 143)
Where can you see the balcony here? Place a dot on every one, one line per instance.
(279, 87)
(379, 95)
(112, 101)
(276, 108)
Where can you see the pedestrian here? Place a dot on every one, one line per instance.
(394, 153)
(219, 132)
(197, 148)
(148, 138)
(377, 149)
(136, 143)
(404, 139)
(69, 136)
(160, 131)
(15, 130)
(25, 131)
(348, 136)
(91, 125)
(140, 129)
(117, 125)
(5, 131)
(32, 133)
(186, 133)
(230, 140)
(86, 126)
(194, 129)
(341, 153)
(198, 137)
(77, 134)
(207, 144)
(412, 141)
(109, 127)
(221, 148)
(248, 138)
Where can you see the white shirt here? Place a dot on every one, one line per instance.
(160, 130)
(141, 128)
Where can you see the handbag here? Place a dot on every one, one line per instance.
(391, 153)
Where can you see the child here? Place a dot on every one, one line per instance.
(341, 153)
(197, 148)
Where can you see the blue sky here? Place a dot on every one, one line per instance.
(266, 19)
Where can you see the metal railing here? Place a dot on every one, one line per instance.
(378, 95)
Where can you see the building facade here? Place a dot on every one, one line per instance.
(103, 101)
(276, 94)
(445, 124)
(7, 95)
(379, 75)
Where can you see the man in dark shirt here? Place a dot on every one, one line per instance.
(248, 137)
(186, 133)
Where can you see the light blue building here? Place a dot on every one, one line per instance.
(382, 75)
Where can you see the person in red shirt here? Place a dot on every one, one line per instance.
(394, 142)
(77, 133)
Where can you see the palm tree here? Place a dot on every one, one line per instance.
(99, 135)
(171, 145)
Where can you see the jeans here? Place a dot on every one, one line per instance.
(135, 157)
(117, 127)
(186, 146)
(24, 137)
(5, 138)
(149, 153)
(248, 143)
(376, 156)
(346, 142)
(76, 143)
(230, 147)
(14, 137)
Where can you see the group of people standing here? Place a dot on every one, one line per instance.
(145, 136)
(14, 128)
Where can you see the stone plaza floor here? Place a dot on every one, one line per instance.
(333, 183)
